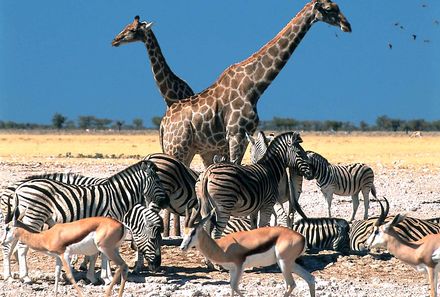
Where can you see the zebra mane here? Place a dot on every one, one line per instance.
(315, 156)
(275, 144)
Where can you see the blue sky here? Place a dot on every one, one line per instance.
(56, 56)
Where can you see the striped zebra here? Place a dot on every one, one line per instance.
(410, 228)
(178, 181)
(320, 233)
(48, 201)
(258, 147)
(240, 191)
(343, 180)
(146, 226)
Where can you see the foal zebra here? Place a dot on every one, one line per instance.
(343, 180)
(291, 193)
(320, 233)
(411, 229)
(246, 190)
(48, 201)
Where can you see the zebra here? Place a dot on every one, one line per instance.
(320, 233)
(411, 229)
(344, 180)
(146, 226)
(240, 191)
(49, 201)
(178, 181)
(258, 147)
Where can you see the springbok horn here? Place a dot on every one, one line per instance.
(8, 213)
(382, 215)
(195, 213)
(185, 224)
(387, 206)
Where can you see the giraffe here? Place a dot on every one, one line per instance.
(216, 120)
(170, 85)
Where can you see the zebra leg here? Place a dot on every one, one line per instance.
(22, 263)
(280, 215)
(265, 214)
(139, 264)
(254, 220)
(220, 223)
(329, 198)
(366, 194)
(7, 253)
(355, 200)
(84, 263)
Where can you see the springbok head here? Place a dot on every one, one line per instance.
(192, 229)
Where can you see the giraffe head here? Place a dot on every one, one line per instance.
(134, 31)
(328, 12)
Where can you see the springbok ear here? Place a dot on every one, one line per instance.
(250, 138)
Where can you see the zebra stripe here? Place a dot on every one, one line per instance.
(324, 233)
(320, 233)
(146, 226)
(245, 190)
(258, 147)
(343, 180)
(178, 181)
(49, 201)
(411, 229)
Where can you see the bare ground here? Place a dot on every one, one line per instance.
(412, 191)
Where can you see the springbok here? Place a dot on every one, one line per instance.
(86, 236)
(423, 254)
(255, 248)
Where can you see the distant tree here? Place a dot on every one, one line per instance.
(395, 124)
(417, 125)
(363, 126)
(119, 125)
(86, 122)
(138, 123)
(58, 120)
(383, 123)
(101, 124)
(156, 121)
(333, 125)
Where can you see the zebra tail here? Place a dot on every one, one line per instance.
(207, 203)
(373, 191)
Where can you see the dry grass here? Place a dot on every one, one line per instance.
(375, 149)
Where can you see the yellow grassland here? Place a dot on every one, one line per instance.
(374, 149)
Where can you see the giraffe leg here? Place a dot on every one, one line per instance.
(237, 146)
(166, 223)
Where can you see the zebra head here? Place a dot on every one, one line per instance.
(380, 230)
(192, 230)
(259, 145)
(153, 190)
(146, 226)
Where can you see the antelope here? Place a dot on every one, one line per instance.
(423, 254)
(255, 248)
(86, 236)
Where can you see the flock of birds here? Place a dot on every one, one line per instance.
(413, 36)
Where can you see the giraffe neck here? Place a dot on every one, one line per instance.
(262, 67)
(171, 87)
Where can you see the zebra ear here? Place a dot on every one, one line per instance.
(250, 138)
(148, 166)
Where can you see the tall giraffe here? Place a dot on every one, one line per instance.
(216, 120)
(170, 85)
